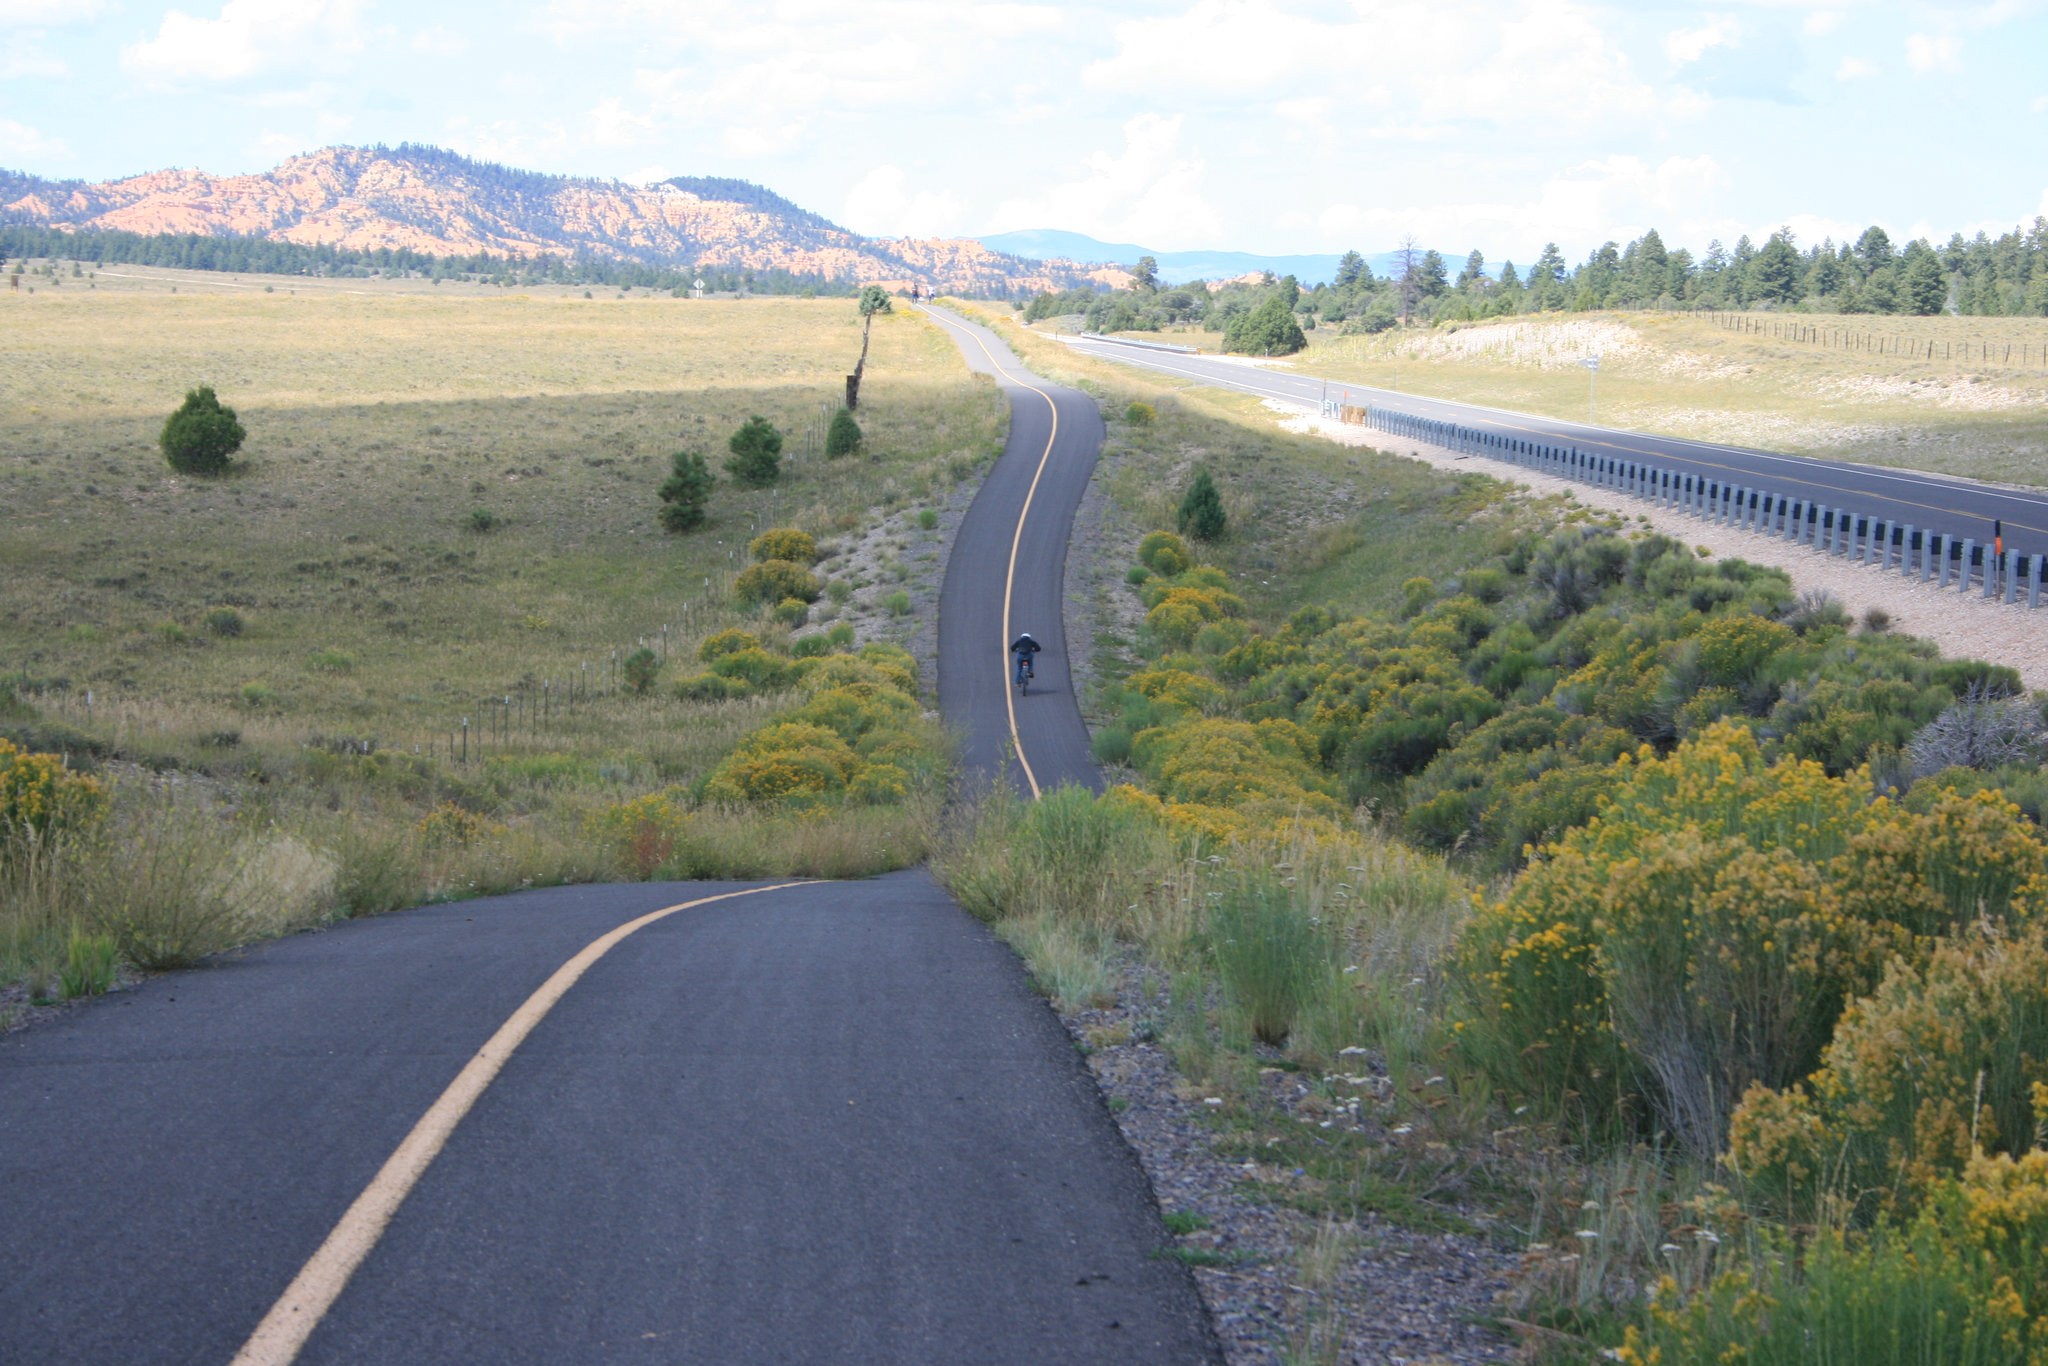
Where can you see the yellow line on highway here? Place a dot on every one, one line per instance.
(1016, 539)
(284, 1330)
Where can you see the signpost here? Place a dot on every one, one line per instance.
(1592, 364)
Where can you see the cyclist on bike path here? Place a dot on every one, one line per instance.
(1021, 650)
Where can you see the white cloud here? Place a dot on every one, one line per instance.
(1545, 62)
(248, 37)
(2039, 104)
(1855, 68)
(1150, 193)
(439, 42)
(1821, 23)
(19, 142)
(25, 56)
(1691, 44)
(1618, 197)
(883, 205)
(37, 13)
(1926, 52)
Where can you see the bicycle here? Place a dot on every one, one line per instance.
(1024, 675)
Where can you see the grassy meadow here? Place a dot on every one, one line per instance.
(1686, 374)
(446, 500)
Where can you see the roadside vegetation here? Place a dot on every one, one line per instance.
(1606, 901)
(512, 513)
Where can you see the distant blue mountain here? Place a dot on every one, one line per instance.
(1175, 267)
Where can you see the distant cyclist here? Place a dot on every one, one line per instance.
(1021, 650)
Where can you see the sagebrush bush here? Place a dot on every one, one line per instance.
(1164, 553)
(225, 622)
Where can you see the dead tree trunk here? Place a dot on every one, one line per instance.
(853, 380)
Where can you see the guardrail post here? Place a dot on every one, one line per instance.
(1884, 561)
(1969, 554)
(2012, 578)
(1992, 569)
(1906, 552)
(1868, 527)
(2034, 578)
(1947, 550)
(1796, 532)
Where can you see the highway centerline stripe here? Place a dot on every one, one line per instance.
(1016, 539)
(282, 1334)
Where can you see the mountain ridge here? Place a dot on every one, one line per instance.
(429, 200)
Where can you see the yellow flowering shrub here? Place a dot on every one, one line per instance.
(784, 543)
(1964, 1282)
(40, 797)
(642, 833)
(1943, 1062)
(449, 826)
(1705, 931)
(859, 737)
(774, 580)
(727, 642)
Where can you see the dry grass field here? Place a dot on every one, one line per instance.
(1687, 375)
(379, 422)
(371, 612)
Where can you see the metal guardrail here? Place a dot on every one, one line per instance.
(1834, 531)
(1148, 345)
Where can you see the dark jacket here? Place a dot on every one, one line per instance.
(1024, 645)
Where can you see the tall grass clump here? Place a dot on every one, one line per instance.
(1273, 955)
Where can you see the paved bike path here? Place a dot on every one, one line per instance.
(824, 1123)
(1011, 550)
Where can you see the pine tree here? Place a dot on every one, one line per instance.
(1926, 287)
(756, 453)
(200, 436)
(1349, 269)
(843, 437)
(1201, 509)
(685, 492)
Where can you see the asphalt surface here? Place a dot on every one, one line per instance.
(1055, 439)
(822, 1124)
(1930, 502)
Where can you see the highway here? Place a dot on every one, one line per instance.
(1948, 506)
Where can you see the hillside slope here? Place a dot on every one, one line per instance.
(428, 200)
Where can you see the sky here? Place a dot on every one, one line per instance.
(1250, 125)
